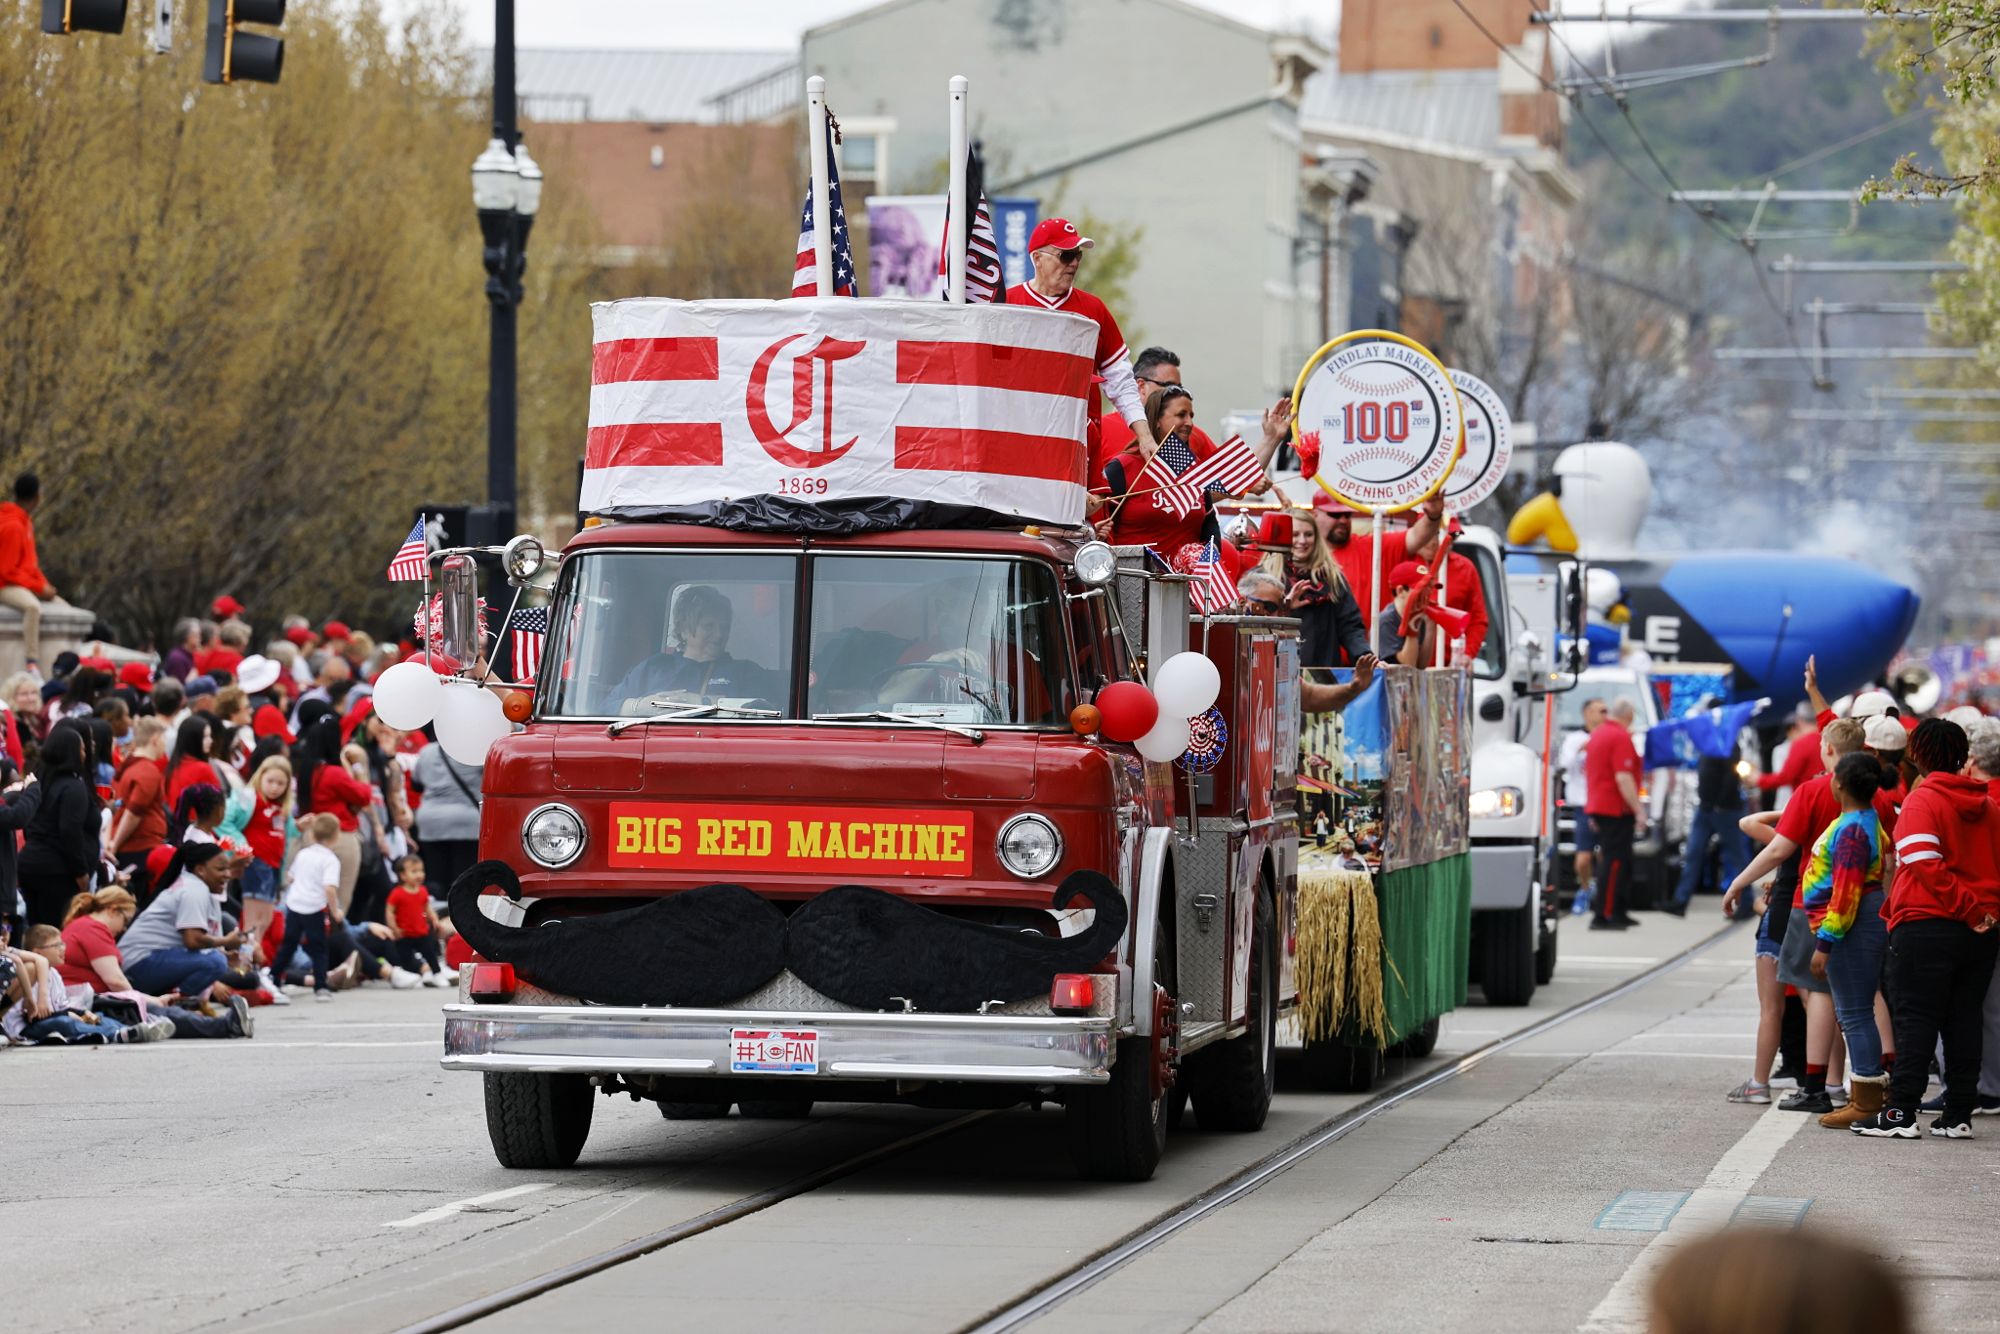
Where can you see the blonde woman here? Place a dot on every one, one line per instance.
(260, 816)
(1331, 631)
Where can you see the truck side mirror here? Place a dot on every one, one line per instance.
(458, 588)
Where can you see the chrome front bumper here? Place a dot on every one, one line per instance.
(609, 1039)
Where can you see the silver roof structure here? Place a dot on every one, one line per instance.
(653, 87)
(1451, 108)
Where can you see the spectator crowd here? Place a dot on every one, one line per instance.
(1876, 894)
(186, 840)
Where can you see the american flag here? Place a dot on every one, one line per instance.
(983, 282)
(529, 629)
(805, 275)
(1213, 589)
(1177, 480)
(412, 559)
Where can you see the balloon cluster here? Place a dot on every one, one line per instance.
(468, 718)
(1157, 721)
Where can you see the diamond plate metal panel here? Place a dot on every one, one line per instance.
(1202, 938)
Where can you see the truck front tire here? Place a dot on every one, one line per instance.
(1507, 949)
(537, 1122)
(1118, 1131)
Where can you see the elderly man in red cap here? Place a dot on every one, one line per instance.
(1056, 248)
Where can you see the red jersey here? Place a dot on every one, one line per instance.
(1801, 763)
(1357, 559)
(265, 833)
(1142, 520)
(1112, 370)
(1813, 807)
(1609, 752)
(1114, 437)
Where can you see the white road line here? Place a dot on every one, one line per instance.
(1623, 1310)
(460, 1206)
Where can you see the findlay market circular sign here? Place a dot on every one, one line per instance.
(1489, 444)
(1387, 418)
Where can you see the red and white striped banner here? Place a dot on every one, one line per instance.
(817, 400)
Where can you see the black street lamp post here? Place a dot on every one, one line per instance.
(507, 191)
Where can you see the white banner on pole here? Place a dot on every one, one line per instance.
(1489, 444)
(819, 400)
(1386, 419)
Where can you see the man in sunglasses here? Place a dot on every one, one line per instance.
(1056, 249)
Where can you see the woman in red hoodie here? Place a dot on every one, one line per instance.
(1941, 912)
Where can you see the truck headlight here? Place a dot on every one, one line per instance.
(553, 836)
(1497, 803)
(1029, 846)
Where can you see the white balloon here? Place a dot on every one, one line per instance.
(1186, 685)
(469, 721)
(407, 695)
(1167, 741)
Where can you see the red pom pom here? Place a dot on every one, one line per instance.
(1129, 710)
(1185, 559)
(1307, 448)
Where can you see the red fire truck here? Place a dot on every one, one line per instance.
(811, 801)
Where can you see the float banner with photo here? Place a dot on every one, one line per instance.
(906, 236)
(1375, 966)
(833, 415)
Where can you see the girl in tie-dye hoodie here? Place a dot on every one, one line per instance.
(1840, 889)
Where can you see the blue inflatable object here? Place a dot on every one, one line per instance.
(1764, 613)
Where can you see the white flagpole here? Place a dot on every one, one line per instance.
(960, 222)
(1439, 595)
(822, 208)
(1375, 597)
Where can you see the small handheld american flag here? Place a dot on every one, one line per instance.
(805, 267)
(412, 558)
(528, 633)
(1231, 469)
(1213, 589)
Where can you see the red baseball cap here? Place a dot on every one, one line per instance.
(336, 630)
(1060, 233)
(269, 720)
(226, 606)
(157, 859)
(97, 664)
(1326, 504)
(137, 675)
(300, 635)
(1408, 574)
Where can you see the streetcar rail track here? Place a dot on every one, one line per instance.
(1109, 1260)
(1102, 1263)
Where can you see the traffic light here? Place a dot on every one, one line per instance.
(233, 55)
(67, 16)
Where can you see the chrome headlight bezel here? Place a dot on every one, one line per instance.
(1095, 563)
(554, 810)
(1029, 869)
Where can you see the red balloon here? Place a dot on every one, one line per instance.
(1129, 710)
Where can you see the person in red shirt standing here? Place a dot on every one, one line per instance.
(1942, 910)
(1357, 554)
(1617, 812)
(1463, 590)
(1802, 761)
(1056, 249)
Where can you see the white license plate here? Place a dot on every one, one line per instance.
(773, 1051)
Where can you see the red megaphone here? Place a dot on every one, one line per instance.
(1446, 619)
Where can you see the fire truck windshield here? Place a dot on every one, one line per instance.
(936, 639)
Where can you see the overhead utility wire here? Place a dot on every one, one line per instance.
(1618, 100)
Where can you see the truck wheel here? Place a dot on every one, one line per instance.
(1118, 1131)
(694, 1111)
(775, 1109)
(1507, 942)
(537, 1121)
(1419, 1042)
(1331, 1066)
(1232, 1082)
(1545, 957)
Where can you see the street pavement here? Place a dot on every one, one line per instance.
(328, 1176)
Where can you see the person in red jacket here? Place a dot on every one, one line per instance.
(23, 586)
(1942, 908)
(1463, 590)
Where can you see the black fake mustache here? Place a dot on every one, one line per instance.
(859, 946)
